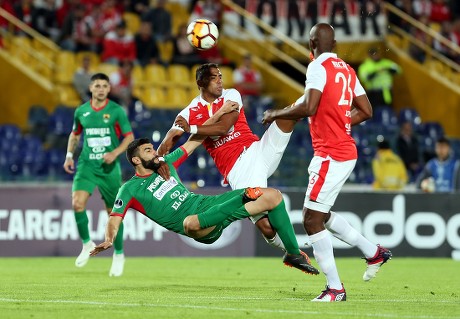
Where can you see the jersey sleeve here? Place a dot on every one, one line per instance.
(316, 77)
(235, 96)
(176, 156)
(122, 202)
(76, 126)
(358, 89)
(123, 121)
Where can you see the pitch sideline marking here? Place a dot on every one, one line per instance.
(101, 303)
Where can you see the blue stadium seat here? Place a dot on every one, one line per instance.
(38, 120)
(384, 115)
(10, 132)
(411, 115)
(61, 120)
(432, 129)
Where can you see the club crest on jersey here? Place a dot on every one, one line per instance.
(118, 203)
(106, 118)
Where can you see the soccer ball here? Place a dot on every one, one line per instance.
(202, 34)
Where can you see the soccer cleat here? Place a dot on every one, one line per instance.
(83, 258)
(331, 295)
(301, 262)
(373, 264)
(251, 194)
(118, 264)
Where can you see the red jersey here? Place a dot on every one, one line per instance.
(330, 127)
(224, 149)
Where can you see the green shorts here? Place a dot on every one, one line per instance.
(108, 184)
(209, 202)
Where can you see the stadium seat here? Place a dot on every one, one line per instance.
(10, 132)
(166, 51)
(68, 95)
(107, 68)
(61, 120)
(434, 130)
(385, 116)
(411, 115)
(179, 74)
(133, 22)
(137, 75)
(177, 97)
(95, 58)
(66, 67)
(227, 76)
(154, 97)
(21, 47)
(155, 75)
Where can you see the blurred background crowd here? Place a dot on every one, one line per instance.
(406, 53)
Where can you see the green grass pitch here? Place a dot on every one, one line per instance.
(160, 287)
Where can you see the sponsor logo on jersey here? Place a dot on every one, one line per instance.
(164, 188)
(86, 114)
(226, 139)
(101, 131)
(118, 203)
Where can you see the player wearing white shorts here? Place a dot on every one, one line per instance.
(330, 91)
(241, 158)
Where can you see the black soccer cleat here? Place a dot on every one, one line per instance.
(300, 262)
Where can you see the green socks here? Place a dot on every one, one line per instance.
(280, 221)
(82, 225)
(118, 243)
(233, 209)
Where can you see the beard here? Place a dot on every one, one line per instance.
(150, 164)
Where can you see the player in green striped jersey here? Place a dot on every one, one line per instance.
(170, 204)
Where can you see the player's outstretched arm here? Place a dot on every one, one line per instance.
(111, 231)
(171, 138)
(305, 106)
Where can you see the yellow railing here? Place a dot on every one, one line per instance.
(40, 51)
(429, 51)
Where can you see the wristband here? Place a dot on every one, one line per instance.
(161, 158)
(69, 155)
(193, 129)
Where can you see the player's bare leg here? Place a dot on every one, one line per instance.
(287, 126)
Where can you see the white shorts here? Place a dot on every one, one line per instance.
(258, 162)
(326, 179)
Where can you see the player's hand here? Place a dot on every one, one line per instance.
(229, 106)
(163, 170)
(109, 157)
(182, 123)
(101, 247)
(69, 165)
(268, 117)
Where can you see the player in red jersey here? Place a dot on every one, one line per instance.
(330, 91)
(240, 156)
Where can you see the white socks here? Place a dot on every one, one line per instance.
(275, 242)
(340, 228)
(324, 255)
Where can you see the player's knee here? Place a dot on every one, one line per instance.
(191, 225)
(273, 197)
(78, 204)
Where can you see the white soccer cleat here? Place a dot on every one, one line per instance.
(83, 258)
(373, 264)
(118, 264)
